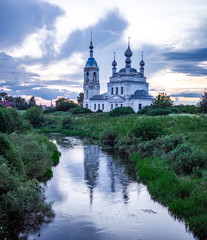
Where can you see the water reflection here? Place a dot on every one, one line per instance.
(96, 196)
(91, 167)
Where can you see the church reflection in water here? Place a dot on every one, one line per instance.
(91, 167)
(97, 164)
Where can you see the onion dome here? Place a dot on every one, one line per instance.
(114, 63)
(128, 52)
(142, 63)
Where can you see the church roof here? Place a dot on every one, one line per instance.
(131, 70)
(99, 97)
(141, 94)
(91, 62)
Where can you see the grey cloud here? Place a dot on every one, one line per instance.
(187, 94)
(23, 17)
(194, 55)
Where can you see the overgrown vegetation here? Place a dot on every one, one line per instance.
(170, 153)
(26, 160)
(119, 111)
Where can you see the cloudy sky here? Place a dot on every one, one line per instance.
(44, 45)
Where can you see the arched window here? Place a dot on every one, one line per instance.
(86, 105)
(87, 76)
(87, 94)
(94, 76)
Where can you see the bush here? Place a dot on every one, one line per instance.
(63, 104)
(35, 152)
(160, 146)
(147, 129)
(67, 123)
(188, 109)
(121, 111)
(144, 110)
(50, 110)
(35, 116)
(109, 137)
(158, 111)
(187, 159)
(80, 110)
(11, 121)
(99, 111)
(9, 152)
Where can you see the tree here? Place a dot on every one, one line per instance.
(20, 103)
(63, 104)
(32, 102)
(202, 105)
(34, 115)
(162, 101)
(3, 96)
(80, 99)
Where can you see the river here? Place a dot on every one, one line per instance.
(96, 195)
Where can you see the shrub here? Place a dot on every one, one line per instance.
(35, 116)
(144, 110)
(162, 101)
(63, 104)
(147, 129)
(160, 146)
(11, 121)
(67, 123)
(11, 154)
(99, 111)
(2, 106)
(186, 158)
(80, 110)
(158, 111)
(50, 110)
(121, 111)
(109, 137)
(55, 157)
(174, 110)
(35, 152)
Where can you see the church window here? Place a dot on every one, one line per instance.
(117, 90)
(86, 105)
(94, 106)
(112, 91)
(87, 94)
(102, 106)
(98, 106)
(140, 106)
(87, 77)
(122, 90)
(116, 105)
(111, 106)
(121, 105)
(94, 77)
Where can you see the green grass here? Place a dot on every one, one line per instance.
(185, 196)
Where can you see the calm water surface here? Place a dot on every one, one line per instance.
(96, 196)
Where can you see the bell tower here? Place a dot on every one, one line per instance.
(91, 84)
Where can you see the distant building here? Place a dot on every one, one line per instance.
(7, 104)
(126, 88)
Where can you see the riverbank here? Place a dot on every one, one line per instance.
(169, 151)
(26, 161)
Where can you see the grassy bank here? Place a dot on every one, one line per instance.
(26, 160)
(169, 152)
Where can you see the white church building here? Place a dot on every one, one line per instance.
(126, 88)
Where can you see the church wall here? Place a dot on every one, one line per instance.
(136, 104)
